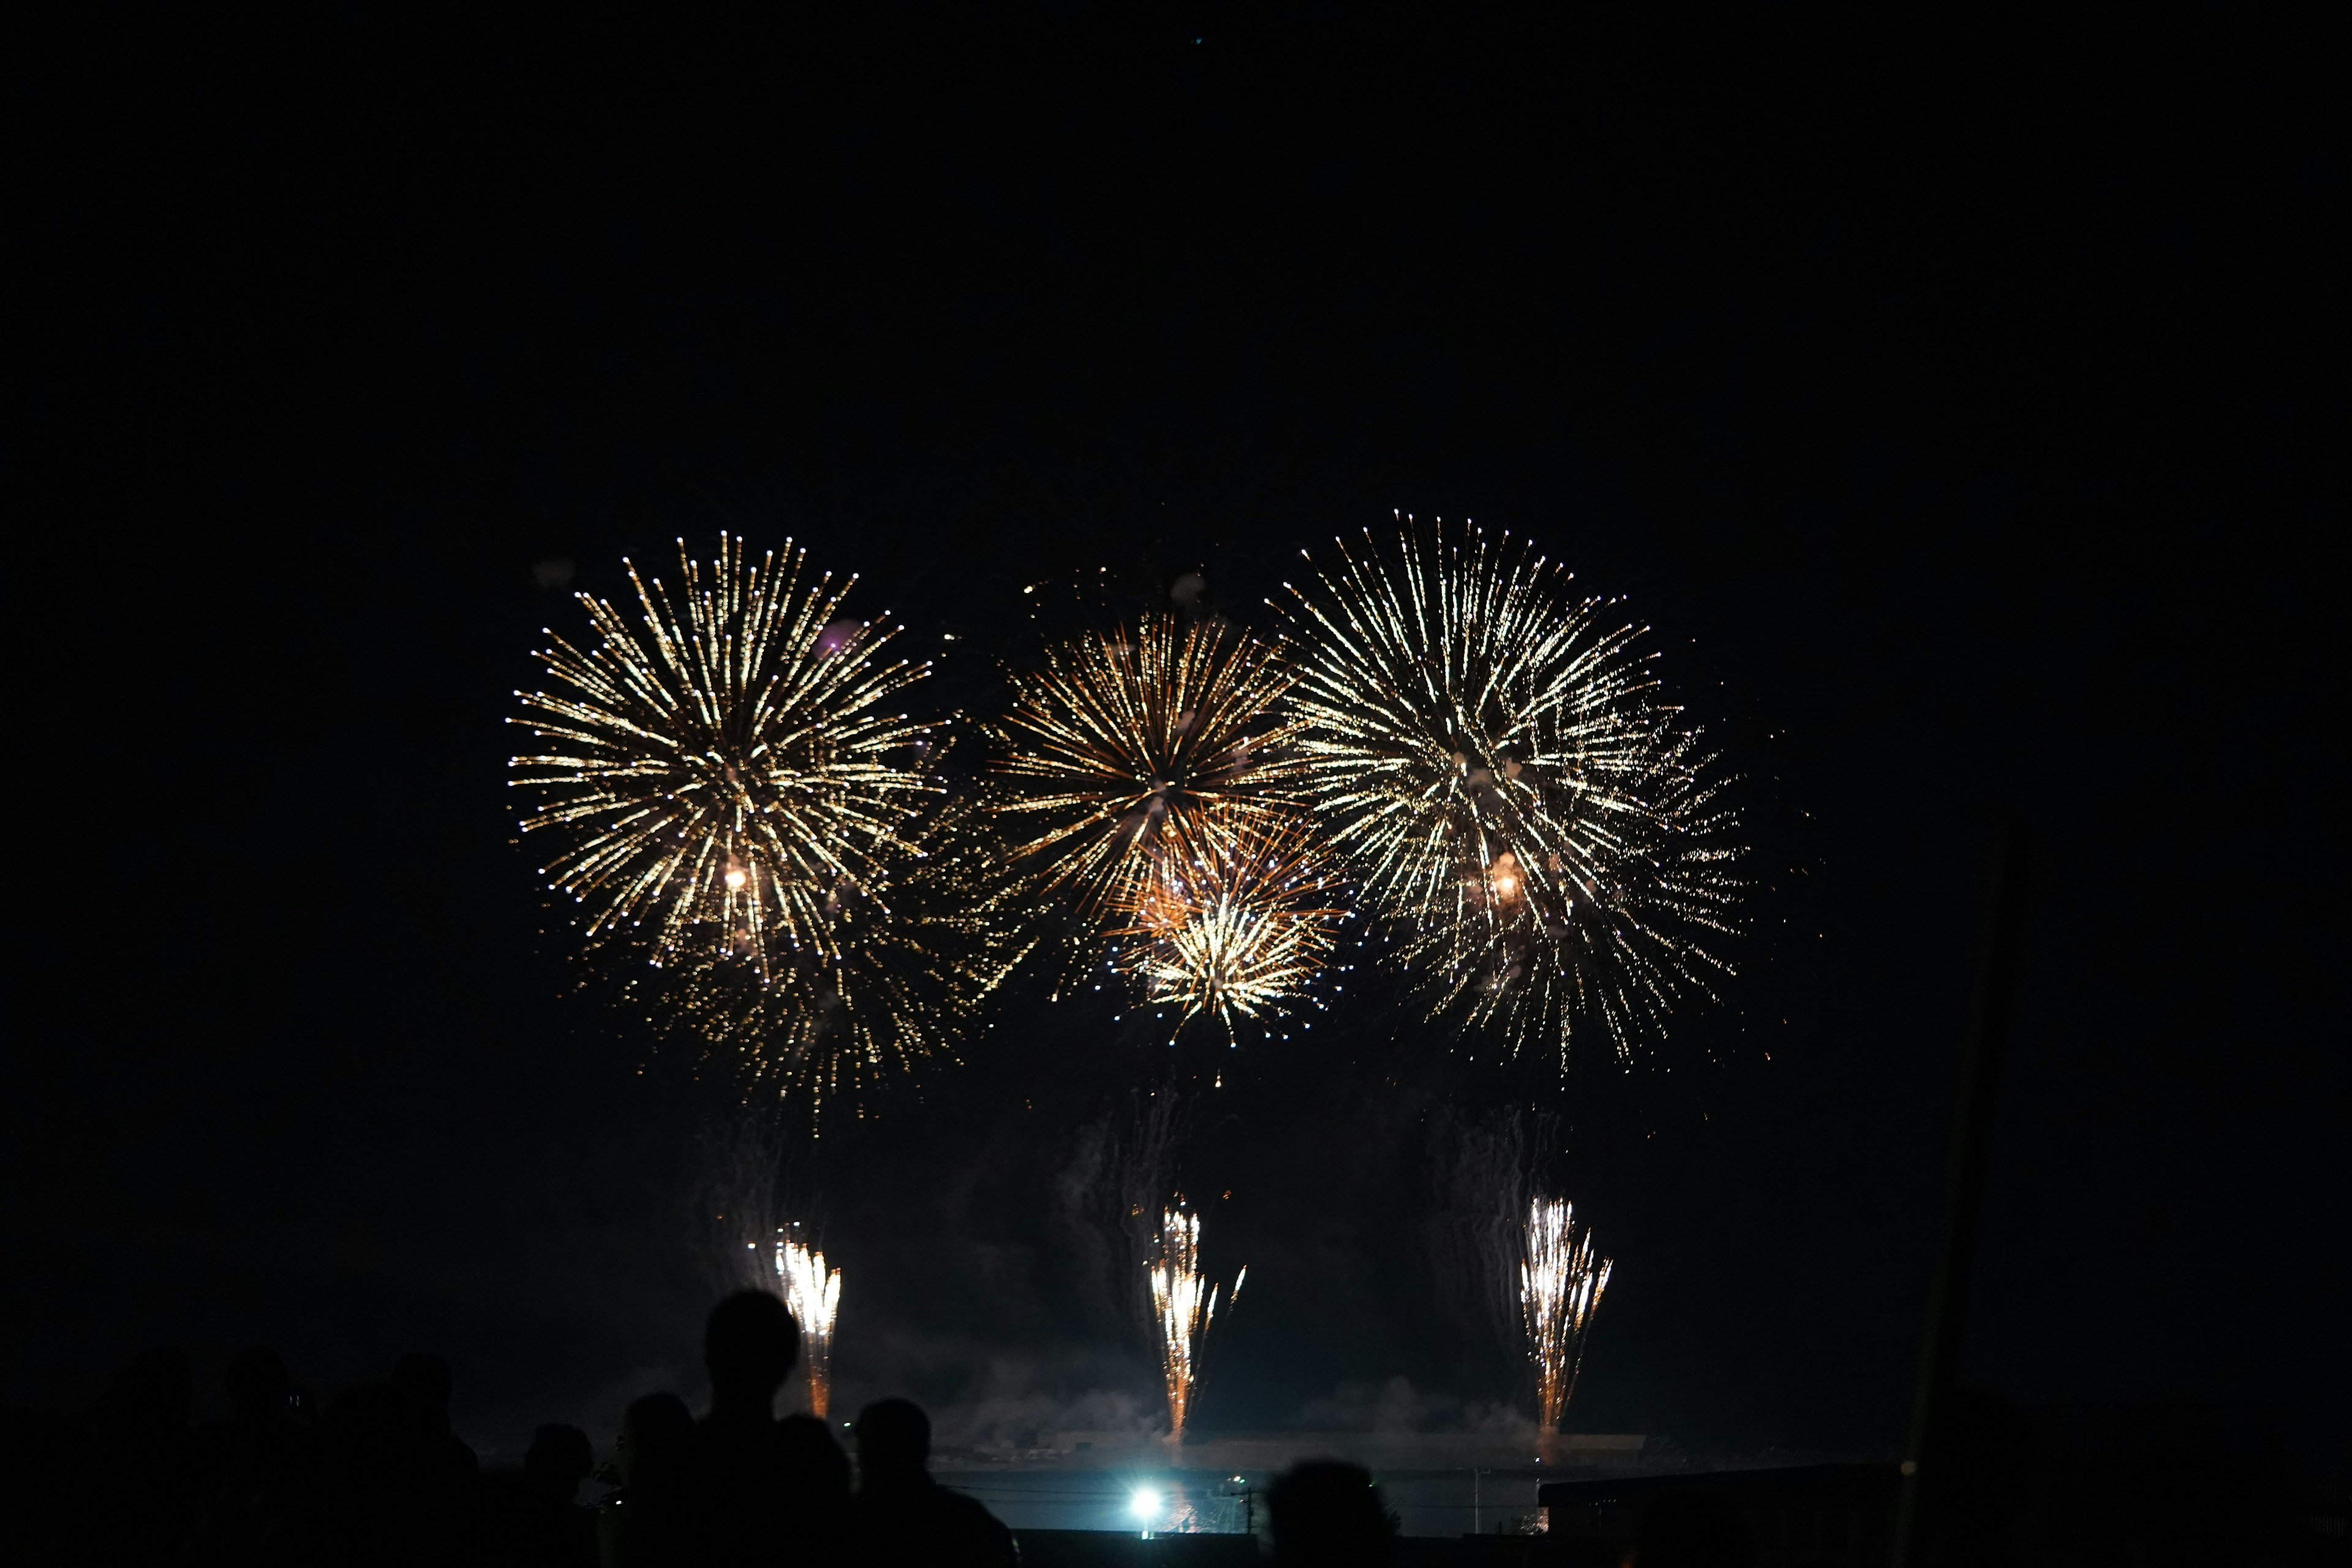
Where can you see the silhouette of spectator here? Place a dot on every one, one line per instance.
(904, 1516)
(264, 1463)
(148, 1473)
(642, 1524)
(528, 1518)
(375, 1452)
(1324, 1511)
(424, 1381)
(762, 1490)
(1692, 1529)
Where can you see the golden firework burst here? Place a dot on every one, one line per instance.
(723, 773)
(897, 983)
(1234, 929)
(1128, 747)
(1499, 768)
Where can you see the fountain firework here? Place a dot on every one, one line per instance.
(1562, 1277)
(814, 1294)
(1184, 1307)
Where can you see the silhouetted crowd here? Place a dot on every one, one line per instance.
(380, 1477)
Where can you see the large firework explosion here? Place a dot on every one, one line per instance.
(907, 964)
(1130, 747)
(1503, 777)
(1234, 928)
(1560, 1282)
(1184, 1307)
(723, 774)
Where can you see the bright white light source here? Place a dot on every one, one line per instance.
(1145, 1503)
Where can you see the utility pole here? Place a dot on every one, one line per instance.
(1964, 1180)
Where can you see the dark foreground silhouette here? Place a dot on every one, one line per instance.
(379, 1477)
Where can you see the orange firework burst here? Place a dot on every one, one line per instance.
(1130, 748)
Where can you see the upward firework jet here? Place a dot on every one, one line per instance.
(723, 773)
(1130, 747)
(1184, 1306)
(1236, 929)
(1497, 764)
(1561, 1283)
(814, 1294)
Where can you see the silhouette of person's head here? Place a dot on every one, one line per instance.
(156, 1393)
(1326, 1511)
(258, 1389)
(371, 1430)
(424, 1381)
(1693, 1530)
(558, 1461)
(654, 1432)
(894, 1441)
(749, 1346)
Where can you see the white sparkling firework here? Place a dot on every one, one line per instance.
(1560, 1282)
(1496, 764)
(720, 772)
(1236, 929)
(814, 1294)
(1184, 1307)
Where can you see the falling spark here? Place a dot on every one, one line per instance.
(814, 1294)
(1561, 1281)
(1184, 1307)
(723, 774)
(1502, 775)
(1127, 747)
(1234, 929)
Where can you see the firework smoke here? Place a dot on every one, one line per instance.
(1503, 778)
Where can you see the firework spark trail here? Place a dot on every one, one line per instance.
(1126, 747)
(1561, 1283)
(814, 1294)
(719, 775)
(1234, 929)
(1184, 1307)
(1503, 777)
(910, 963)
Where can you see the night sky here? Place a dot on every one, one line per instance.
(1952, 409)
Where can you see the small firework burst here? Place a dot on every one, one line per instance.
(1233, 929)
(1498, 769)
(1184, 1307)
(1131, 747)
(899, 981)
(723, 774)
(1560, 1282)
(814, 1293)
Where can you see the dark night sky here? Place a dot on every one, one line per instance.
(1953, 410)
